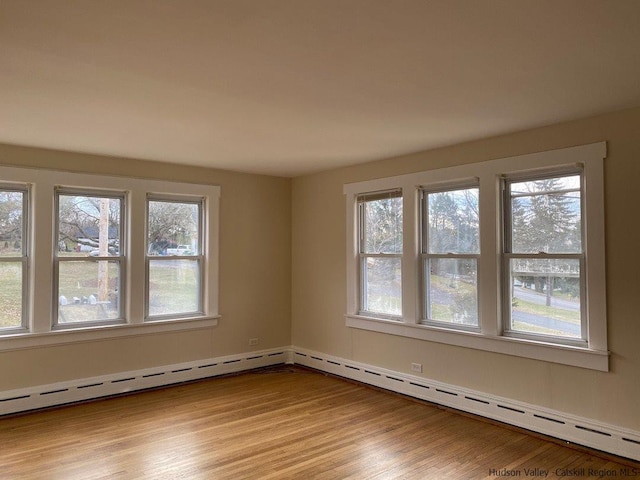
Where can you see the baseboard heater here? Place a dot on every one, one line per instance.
(581, 431)
(15, 401)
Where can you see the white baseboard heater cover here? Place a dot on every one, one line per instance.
(581, 431)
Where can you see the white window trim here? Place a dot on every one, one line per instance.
(200, 258)
(594, 356)
(42, 185)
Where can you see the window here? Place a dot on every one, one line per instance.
(450, 251)
(174, 257)
(380, 243)
(505, 255)
(544, 256)
(89, 259)
(13, 257)
(86, 257)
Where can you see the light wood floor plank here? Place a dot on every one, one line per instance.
(279, 423)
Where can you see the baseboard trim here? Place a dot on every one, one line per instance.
(581, 431)
(42, 396)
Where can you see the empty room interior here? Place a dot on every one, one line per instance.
(319, 239)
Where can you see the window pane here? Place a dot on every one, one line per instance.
(546, 216)
(383, 226)
(452, 290)
(11, 225)
(173, 228)
(10, 294)
(570, 182)
(382, 292)
(88, 291)
(88, 225)
(545, 296)
(453, 221)
(174, 287)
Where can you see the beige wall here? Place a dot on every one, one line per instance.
(282, 278)
(255, 276)
(319, 290)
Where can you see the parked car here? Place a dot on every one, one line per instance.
(180, 250)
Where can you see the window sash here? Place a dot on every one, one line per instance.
(426, 303)
(362, 200)
(364, 284)
(23, 258)
(119, 259)
(24, 290)
(507, 282)
(196, 312)
(508, 256)
(426, 257)
(200, 258)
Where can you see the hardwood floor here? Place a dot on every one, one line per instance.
(285, 422)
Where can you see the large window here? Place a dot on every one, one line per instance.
(174, 257)
(505, 255)
(94, 256)
(450, 251)
(13, 257)
(89, 259)
(380, 241)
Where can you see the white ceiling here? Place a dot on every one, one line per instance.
(287, 87)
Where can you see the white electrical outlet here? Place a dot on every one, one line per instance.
(416, 367)
(253, 342)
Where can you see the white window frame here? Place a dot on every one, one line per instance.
(362, 200)
(42, 184)
(490, 337)
(200, 258)
(24, 259)
(120, 258)
(426, 256)
(508, 255)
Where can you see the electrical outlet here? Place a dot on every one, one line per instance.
(253, 342)
(416, 367)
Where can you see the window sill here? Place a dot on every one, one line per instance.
(19, 341)
(548, 352)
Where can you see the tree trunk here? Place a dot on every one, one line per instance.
(103, 248)
(549, 290)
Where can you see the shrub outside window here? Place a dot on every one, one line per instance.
(174, 257)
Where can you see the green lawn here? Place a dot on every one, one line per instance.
(173, 289)
(10, 294)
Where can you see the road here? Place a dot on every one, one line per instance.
(541, 299)
(566, 328)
